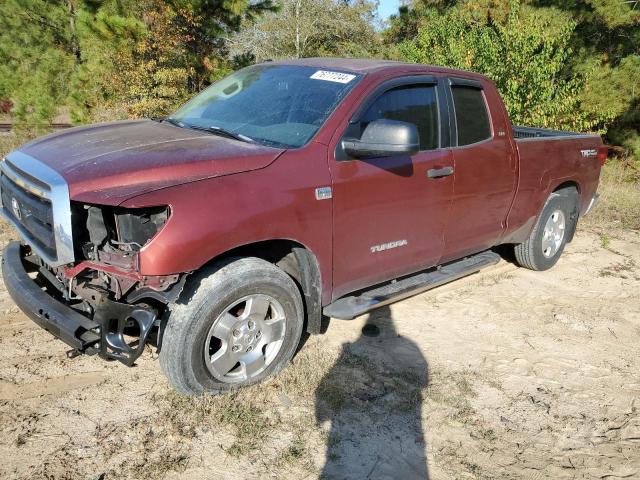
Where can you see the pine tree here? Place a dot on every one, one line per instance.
(127, 57)
(607, 45)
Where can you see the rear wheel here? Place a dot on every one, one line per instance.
(549, 236)
(241, 324)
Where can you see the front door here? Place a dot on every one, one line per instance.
(389, 215)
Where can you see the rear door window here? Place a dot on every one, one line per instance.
(472, 117)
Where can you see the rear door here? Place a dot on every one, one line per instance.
(389, 216)
(485, 168)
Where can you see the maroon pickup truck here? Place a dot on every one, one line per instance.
(283, 194)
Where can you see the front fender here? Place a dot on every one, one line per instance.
(213, 216)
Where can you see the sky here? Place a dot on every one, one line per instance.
(387, 7)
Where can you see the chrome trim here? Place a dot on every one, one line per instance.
(45, 183)
(10, 171)
(594, 201)
(560, 137)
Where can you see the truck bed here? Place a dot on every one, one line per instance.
(520, 133)
(548, 159)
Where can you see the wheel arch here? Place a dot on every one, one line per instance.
(567, 186)
(527, 208)
(296, 260)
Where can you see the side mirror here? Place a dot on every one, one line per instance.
(384, 138)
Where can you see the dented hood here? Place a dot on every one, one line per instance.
(109, 163)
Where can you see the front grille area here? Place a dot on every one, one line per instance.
(33, 213)
(35, 200)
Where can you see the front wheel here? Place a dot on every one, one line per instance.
(550, 234)
(241, 323)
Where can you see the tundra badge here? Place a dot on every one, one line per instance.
(388, 246)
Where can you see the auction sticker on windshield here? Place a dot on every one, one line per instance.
(338, 77)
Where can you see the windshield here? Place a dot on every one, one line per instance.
(279, 105)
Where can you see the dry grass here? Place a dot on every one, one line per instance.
(276, 424)
(619, 206)
(453, 390)
(249, 420)
(271, 426)
(275, 419)
(12, 140)
(625, 270)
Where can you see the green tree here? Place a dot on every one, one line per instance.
(404, 25)
(105, 39)
(522, 49)
(130, 58)
(35, 56)
(607, 52)
(53, 54)
(184, 51)
(603, 46)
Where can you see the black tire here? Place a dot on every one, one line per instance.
(530, 254)
(208, 295)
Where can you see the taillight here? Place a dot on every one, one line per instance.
(603, 153)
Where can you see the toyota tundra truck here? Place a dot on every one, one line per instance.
(284, 194)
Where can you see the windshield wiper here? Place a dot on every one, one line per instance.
(173, 121)
(221, 131)
(168, 120)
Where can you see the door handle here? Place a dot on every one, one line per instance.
(440, 172)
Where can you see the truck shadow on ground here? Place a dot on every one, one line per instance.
(506, 253)
(372, 397)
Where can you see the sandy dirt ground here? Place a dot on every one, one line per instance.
(506, 374)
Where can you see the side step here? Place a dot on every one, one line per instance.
(348, 308)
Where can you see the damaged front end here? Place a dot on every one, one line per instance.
(100, 303)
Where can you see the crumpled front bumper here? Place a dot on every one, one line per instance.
(103, 334)
(71, 327)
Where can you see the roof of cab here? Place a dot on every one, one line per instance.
(363, 66)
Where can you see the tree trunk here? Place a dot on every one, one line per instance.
(297, 14)
(75, 44)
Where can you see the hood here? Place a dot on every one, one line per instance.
(109, 163)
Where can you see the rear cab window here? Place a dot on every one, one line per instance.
(472, 116)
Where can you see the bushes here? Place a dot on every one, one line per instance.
(619, 198)
(570, 65)
(524, 54)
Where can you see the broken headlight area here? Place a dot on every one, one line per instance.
(114, 235)
(108, 241)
